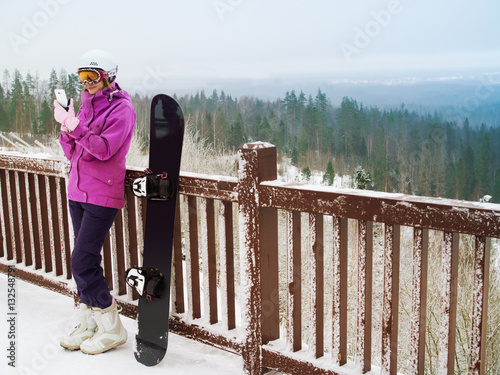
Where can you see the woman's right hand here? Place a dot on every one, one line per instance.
(67, 119)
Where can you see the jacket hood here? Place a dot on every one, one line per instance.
(109, 94)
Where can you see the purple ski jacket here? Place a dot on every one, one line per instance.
(98, 146)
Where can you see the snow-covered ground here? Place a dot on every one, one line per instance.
(287, 172)
(43, 316)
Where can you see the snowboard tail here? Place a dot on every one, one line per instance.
(148, 353)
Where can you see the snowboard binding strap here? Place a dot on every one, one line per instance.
(157, 187)
(148, 281)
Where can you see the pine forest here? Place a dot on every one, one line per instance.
(389, 149)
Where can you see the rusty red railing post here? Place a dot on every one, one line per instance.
(448, 320)
(390, 310)
(479, 330)
(257, 163)
(416, 364)
(363, 358)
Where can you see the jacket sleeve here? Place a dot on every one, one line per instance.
(117, 127)
(67, 145)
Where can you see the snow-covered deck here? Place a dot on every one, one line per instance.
(43, 316)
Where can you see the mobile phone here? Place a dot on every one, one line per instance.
(61, 98)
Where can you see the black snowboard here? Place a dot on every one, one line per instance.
(166, 136)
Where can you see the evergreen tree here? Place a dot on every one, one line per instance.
(484, 170)
(301, 103)
(362, 180)
(346, 119)
(213, 101)
(306, 172)
(414, 155)
(206, 127)
(294, 155)
(237, 133)
(450, 181)
(280, 138)
(321, 102)
(73, 89)
(4, 118)
(303, 144)
(329, 175)
(45, 119)
(29, 104)
(320, 125)
(17, 104)
(6, 87)
(380, 163)
(291, 103)
(220, 126)
(470, 174)
(53, 84)
(264, 132)
(310, 121)
(460, 180)
(496, 187)
(425, 184)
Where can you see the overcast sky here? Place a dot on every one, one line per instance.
(189, 42)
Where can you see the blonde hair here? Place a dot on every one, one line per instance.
(107, 84)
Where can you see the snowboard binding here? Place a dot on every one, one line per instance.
(148, 281)
(157, 187)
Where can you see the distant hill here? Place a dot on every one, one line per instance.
(476, 96)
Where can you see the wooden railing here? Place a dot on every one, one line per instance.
(245, 247)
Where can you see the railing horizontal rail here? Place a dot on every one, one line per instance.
(222, 188)
(38, 165)
(413, 211)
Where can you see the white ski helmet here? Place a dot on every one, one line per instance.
(100, 60)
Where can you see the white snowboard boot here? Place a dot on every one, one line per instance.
(110, 331)
(84, 330)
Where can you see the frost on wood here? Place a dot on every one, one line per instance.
(404, 210)
(419, 300)
(363, 339)
(294, 278)
(339, 308)
(447, 326)
(209, 259)
(391, 299)
(248, 216)
(316, 334)
(226, 250)
(479, 306)
(257, 145)
(192, 264)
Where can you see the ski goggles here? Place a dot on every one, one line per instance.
(91, 76)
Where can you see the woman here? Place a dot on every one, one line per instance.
(96, 142)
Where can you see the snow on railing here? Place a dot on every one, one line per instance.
(251, 276)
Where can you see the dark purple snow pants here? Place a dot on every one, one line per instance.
(91, 225)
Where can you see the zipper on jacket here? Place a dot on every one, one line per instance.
(92, 112)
